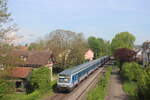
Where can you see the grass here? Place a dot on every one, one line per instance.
(36, 95)
(99, 92)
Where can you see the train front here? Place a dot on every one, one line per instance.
(64, 83)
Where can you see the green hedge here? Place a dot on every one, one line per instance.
(137, 79)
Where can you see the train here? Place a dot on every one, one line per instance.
(70, 78)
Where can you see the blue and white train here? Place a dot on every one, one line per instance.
(70, 78)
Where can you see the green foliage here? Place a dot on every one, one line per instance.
(144, 84)
(99, 46)
(140, 78)
(40, 79)
(131, 89)
(36, 95)
(5, 87)
(122, 40)
(99, 92)
(131, 71)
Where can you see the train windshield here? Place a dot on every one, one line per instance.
(64, 79)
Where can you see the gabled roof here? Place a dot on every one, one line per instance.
(34, 57)
(20, 72)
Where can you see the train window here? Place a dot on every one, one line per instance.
(64, 80)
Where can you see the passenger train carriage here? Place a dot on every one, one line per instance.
(70, 78)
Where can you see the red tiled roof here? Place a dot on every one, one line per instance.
(20, 72)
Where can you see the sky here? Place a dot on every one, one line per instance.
(101, 18)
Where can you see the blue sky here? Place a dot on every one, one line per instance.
(102, 18)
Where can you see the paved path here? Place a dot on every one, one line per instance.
(115, 91)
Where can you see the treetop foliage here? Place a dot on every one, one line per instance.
(99, 46)
(123, 40)
(124, 55)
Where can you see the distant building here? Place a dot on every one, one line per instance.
(89, 55)
(146, 53)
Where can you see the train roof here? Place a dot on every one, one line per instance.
(75, 69)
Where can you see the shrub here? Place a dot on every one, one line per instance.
(144, 84)
(141, 78)
(40, 79)
(5, 87)
(131, 71)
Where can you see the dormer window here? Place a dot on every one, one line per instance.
(24, 58)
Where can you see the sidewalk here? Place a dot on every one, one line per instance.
(115, 91)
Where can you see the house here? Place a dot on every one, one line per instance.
(31, 60)
(34, 59)
(89, 55)
(19, 76)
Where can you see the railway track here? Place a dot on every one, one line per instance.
(80, 91)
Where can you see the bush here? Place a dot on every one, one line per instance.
(138, 80)
(40, 79)
(144, 84)
(5, 87)
(131, 71)
(131, 89)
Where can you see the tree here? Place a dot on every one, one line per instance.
(99, 46)
(67, 47)
(5, 29)
(122, 40)
(78, 48)
(5, 18)
(123, 55)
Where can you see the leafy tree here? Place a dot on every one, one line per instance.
(5, 28)
(99, 46)
(67, 47)
(40, 79)
(123, 55)
(78, 48)
(122, 40)
(39, 45)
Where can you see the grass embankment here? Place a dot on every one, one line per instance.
(99, 92)
(36, 95)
